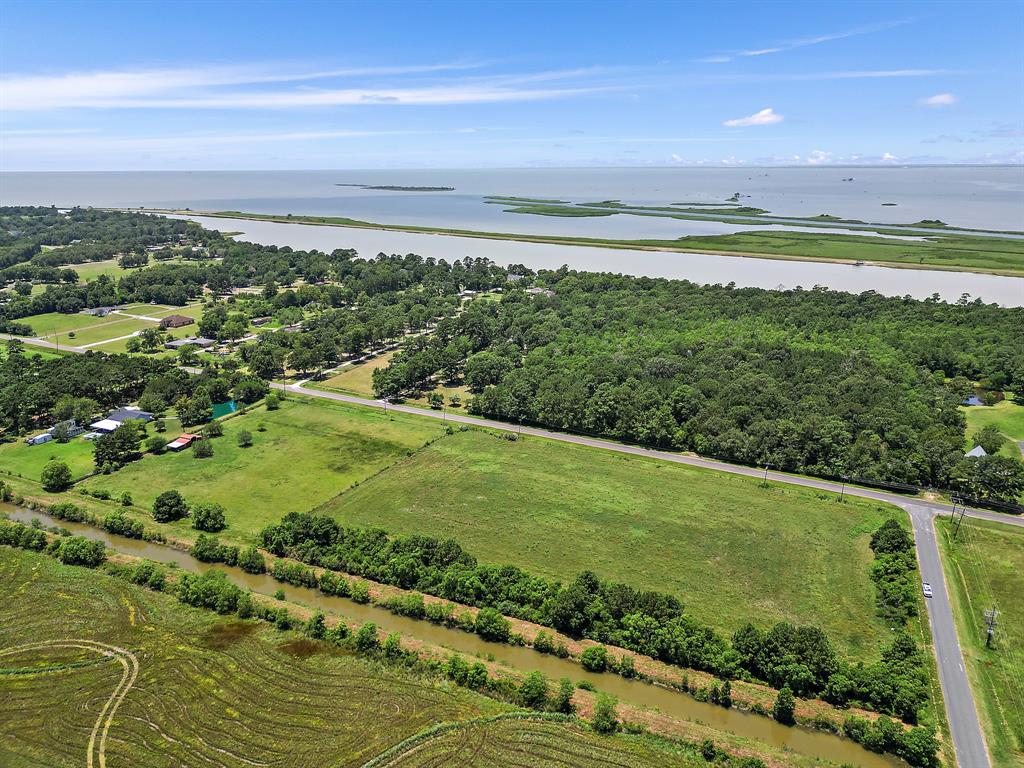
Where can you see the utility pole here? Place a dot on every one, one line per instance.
(991, 622)
(959, 520)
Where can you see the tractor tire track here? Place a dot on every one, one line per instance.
(96, 754)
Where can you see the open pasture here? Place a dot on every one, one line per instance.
(308, 452)
(731, 550)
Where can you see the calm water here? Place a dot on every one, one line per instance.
(990, 197)
(814, 743)
(700, 268)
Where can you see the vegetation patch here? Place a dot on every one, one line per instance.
(302, 454)
(985, 569)
(555, 509)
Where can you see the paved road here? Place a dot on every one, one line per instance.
(965, 727)
(31, 341)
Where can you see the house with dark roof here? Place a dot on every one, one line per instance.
(175, 321)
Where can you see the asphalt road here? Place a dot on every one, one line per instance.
(965, 726)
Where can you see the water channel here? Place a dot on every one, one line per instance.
(697, 267)
(816, 744)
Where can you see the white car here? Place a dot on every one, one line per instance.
(927, 589)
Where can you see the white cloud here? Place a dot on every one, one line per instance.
(888, 157)
(229, 88)
(766, 116)
(939, 100)
(819, 157)
(801, 42)
(676, 158)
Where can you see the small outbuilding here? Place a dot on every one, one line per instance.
(175, 321)
(972, 400)
(104, 426)
(182, 442)
(39, 439)
(976, 452)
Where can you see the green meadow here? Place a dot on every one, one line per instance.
(731, 550)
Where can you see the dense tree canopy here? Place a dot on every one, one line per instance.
(815, 381)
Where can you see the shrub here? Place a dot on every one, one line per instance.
(273, 401)
(208, 549)
(785, 706)
(315, 627)
(156, 444)
(604, 718)
(392, 646)
(209, 590)
(563, 699)
(245, 438)
(476, 677)
(78, 550)
(169, 506)
(595, 658)
(213, 429)
(208, 517)
(360, 593)
(118, 522)
(533, 692)
(366, 638)
(251, 561)
(56, 476)
(491, 625)
(202, 449)
(68, 511)
(407, 605)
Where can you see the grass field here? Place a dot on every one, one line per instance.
(1007, 415)
(58, 322)
(89, 271)
(29, 460)
(357, 379)
(210, 691)
(538, 744)
(985, 568)
(311, 451)
(731, 550)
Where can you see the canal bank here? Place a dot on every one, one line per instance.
(816, 744)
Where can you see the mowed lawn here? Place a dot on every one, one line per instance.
(309, 452)
(1007, 416)
(985, 568)
(28, 461)
(59, 322)
(731, 550)
(357, 379)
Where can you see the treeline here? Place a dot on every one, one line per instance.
(81, 234)
(219, 264)
(814, 381)
(647, 622)
(70, 550)
(31, 387)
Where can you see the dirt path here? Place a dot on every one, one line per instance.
(96, 754)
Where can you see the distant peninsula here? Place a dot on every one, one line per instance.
(394, 188)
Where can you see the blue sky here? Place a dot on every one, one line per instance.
(187, 85)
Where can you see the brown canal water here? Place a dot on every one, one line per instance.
(817, 744)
